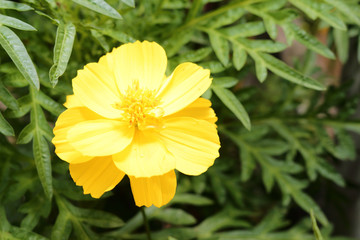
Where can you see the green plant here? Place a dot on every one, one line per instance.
(281, 140)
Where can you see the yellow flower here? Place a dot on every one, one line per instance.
(127, 117)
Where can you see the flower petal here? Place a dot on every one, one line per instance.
(157, 190)
(73, 101)
(184, 86)
(66, 120)
(100, 137)
(199, 109)
(141, 61)
(96, 88)
(96, 176)
(145, 156)
(194, 143)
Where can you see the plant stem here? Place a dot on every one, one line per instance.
(146, 223)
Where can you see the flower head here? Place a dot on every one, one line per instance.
(127, 117)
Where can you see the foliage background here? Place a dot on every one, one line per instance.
(285, 90)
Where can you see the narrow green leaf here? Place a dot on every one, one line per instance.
(248, 164)
(174, 216)
(328, 171)
(62, 227)
(239, 57)
(272, 5)
(49, 104)
(65, 36)
(271, 28)
(99, 6)
(283, 70)
(316, 229)
(307, 203)
(342, 44)
(225, 82)
(43, 163)
(98, 218)
(25, 106)
(231, 102)
(130, 3)
(26, 134)
(17, 52)
(101, 39)
(320, 9)
(5, 127)
(14, 5)
(174, 43)
(309, 41)
(15, 23)
(260, 68)
(7, 99)
(214, 66)
(118, 35)
(191, 199)
(346, 9)
(249, 29)
(226, 18)
(262, 45)
(221, 47)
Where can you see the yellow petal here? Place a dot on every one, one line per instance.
(157, 190)
(73, 101)
(199, 109)
(194, 143)
(184, 86)
(66, 120)
(95, 87)
(140, 61)
(145, 156)
(96, 176)
(100, 137)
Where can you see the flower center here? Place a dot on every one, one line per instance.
(140, 107)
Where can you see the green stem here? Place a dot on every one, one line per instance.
(146, 223)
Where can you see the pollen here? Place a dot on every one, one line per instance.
(140, 106)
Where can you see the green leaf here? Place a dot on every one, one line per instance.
(43, 163)
(101, 39)
(225, 82)
(99, 6)
(191, 199)
(307, 203)
(316, 229)
(7, 99)
(283, 70)
(226, 18)
(271, 28)
(262, 45)
(118, 35)
(342, 44)
(174, 216)
(260, 68)
(248, 164)
(49, 104)
(15, 23)
(214, 66)
(65, 36)
(14, 5)
(62, 227)
(231, 102)
(248, 29)
(239, 56)
(26, 134)
(319, 9)
(309, 41)
(221, 47)
(97, 218)
(17, 52)
(5, 127)
(130, 3)
(346, 9)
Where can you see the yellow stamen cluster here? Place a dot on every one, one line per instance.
(140, 107)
